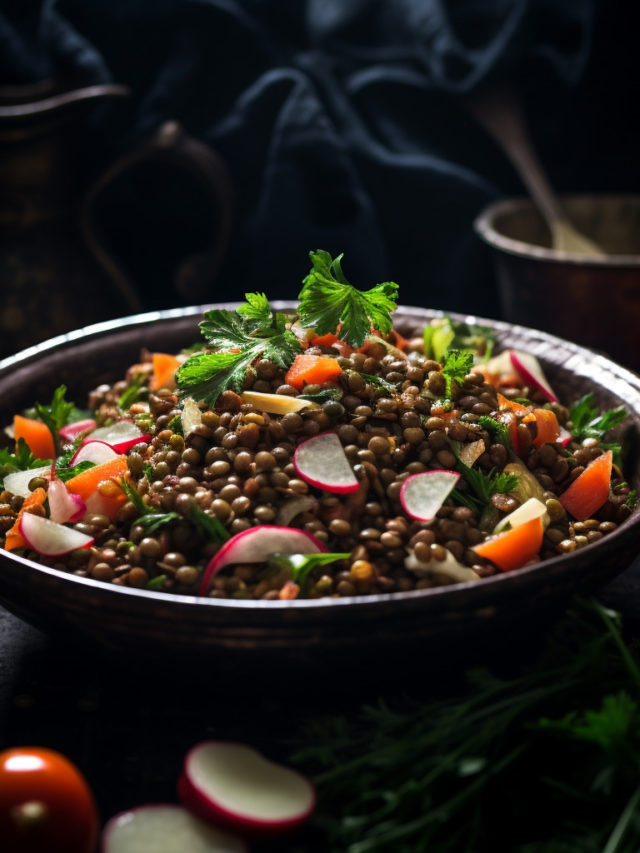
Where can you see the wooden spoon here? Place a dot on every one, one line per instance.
(499, 111)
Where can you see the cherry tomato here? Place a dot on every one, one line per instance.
(46, 805)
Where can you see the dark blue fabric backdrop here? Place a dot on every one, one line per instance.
(340, 121)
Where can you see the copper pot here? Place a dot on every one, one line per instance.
(592, 300)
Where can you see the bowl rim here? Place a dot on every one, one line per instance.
(484, 226)
(543, 569)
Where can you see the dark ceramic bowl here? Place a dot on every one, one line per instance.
(348, 632)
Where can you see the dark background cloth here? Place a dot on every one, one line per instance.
(341, 124)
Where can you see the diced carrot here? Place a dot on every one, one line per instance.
(445, 414)
(516, 408)
(15, 539)
(164, 368)
(401, 342)
(590, 490)
(289, 591)
(513, 548)
(548, 427)
(312, 369)
(327, 340)
(498, 380)
(36, 434)
(101, 480)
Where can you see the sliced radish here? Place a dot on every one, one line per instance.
(472, 451)
(257, 544)
(276, 404)
(18, 482)
(564, 437)
(122, 436)
(423, 494)
(63, 506)
(533, 508)
(71, 431)
(529, 368)
(165, 828)
(191, 416)
(236, 787)
(94, 451)
(321, 462)
(47, 537)
(449, 568)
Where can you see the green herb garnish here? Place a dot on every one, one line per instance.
(445, 332)
(588, 422)
(498, 431)
(299, 565)
(329, 304)
(157, 583)
(456, 366)
(240, 338)
(21, 459)
(484, 485)
(175, 425)
(58, 413)
(632, 499)
(210, 527)
(322, 396)
(135, 498)
(379, 382)
(153, 520)
(132, 393)
(65, 473)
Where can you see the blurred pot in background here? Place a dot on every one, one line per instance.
(591, 300)
(58, 273)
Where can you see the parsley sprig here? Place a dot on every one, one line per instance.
(58, 413)
(328, 303)
(588, 422)
(482, 485)
(299, 565)
(456, 366)
(21, 459)
(239, 338)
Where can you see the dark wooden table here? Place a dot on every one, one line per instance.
(128, 725)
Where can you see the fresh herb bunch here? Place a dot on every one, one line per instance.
(239, 338)
(329, 304)
(586, 421)
(545, 761)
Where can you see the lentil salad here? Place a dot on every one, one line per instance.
(214, 459)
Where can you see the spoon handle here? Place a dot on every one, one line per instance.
(499, 110)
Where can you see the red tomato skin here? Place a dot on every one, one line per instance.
(70, 818)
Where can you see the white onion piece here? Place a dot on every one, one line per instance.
(533, 508)
(18, 482)
(448, 568)
(191, 416)
(472, 451)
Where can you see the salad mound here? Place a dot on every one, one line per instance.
(311, 455)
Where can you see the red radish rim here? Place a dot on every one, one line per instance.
(122, 446)
(421, 474)
(109, 826)
(318, 484)
(87, 441)
(526, 374)
(206, 808)
(70, 431)
(57, 553)
(208, 573)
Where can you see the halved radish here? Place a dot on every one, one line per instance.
(70, 431)
(257, 544)
(165, 828)
(565, 436)
(321, 462)
(63, 506)
(94, 451)
(235, 786)
(529, 368)
(472, 451)
(533, 508)
(122, 436)
(18, 482)
(47, 537)
(423, 494)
